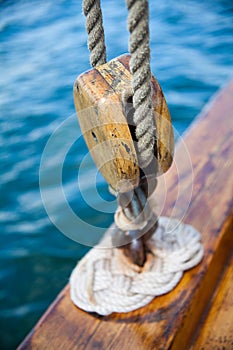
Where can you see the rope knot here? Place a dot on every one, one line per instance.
(120, 287)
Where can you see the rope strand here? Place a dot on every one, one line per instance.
(138, 19)
(95, 31)
(104, 282)
(138, 210)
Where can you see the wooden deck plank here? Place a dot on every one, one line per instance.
(169, 321)
(216, 330)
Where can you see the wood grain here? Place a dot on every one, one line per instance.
(170, 321)
(98, 96)
(216, 330)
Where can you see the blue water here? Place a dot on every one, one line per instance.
(43, 49)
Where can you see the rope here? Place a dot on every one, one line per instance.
(104, 281)
(95, 31)
(138, 19)
(132, 215)
(133, 212)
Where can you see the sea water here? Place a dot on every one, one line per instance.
(43, 49)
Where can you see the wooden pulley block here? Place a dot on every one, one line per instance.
(98, 96)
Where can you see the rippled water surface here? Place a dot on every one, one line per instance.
(43, 49)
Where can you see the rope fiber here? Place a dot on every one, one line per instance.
(138, 25)
(140, 93)
(138, 19)
(95, 31)
(105, 280)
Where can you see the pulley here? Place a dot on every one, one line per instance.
(127, 127)
(102, 100)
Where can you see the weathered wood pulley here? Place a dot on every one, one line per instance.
(127, 127)
(98, 96)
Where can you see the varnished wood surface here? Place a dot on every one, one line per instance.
(170, 321)
(216, 330)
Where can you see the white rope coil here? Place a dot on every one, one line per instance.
(138, 223)
(104, 281)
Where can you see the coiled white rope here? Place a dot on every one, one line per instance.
(104, 281)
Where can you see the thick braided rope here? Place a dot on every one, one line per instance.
(95, 31)
(105, 282)
(138, 25)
